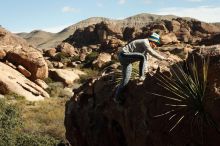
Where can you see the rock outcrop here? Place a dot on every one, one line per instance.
(7, 38)
(66, 76)
(171, 31)
(17, 51)
(13, 81)
(93, 119)
(101, 60)
(30, 59)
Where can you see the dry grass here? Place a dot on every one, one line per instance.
(44, 117)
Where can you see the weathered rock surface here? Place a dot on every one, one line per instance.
(51, 52)
(25, 72)
(29, 58)
(18, 52)
(67, 49)
(93, 119)
(2, 54)
(13, 81)
(101, 60)
(169, 39)
(66, 76)
(7, 38)
(41, 83)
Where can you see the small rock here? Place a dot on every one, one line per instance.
(82, 57)
(2, 54)
(41, 83)
(51, 52)
(24, 71)
(74, 64)
(10, 64)
(2, 96)
(60, 65)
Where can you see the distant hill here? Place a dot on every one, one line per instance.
(36, 37)
(42, 39)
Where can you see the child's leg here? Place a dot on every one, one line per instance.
(132, 57)
(126, 73)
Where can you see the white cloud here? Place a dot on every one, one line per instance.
(203, 13)
(68, 9)
(55, 29)
(121, 2)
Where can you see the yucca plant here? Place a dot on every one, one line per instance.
(187, 88)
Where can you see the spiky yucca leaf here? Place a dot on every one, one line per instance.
(188, 92)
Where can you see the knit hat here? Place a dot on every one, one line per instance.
(155, 38)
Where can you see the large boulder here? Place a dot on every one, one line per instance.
(169, 38)
(95, 34)
(102, 59)
(51, 52)
(111, 45)
(129, 33)
(210, 40)
(93, 118)
(29, 58)
(66, 76)
(13, 81)
(205, 27)
(173, 25)
(67, 49)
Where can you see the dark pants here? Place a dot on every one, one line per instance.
(126, 60)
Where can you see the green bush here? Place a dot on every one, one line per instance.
(74, 58)
(35, 140)
(56, 89)
(48, 80)
(10, 122)
(11, 133)
(62, 57)
(92, 56)
(15, 96)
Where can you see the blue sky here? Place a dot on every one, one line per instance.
(54, 15)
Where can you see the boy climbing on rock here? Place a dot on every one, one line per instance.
(136, 50)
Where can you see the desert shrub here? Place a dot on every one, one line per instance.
(10, 122)
(12, 95)
(56, 89)
(91, 57)
(11, 129)
(48, 80)
(187, 99)
(45, 118)
(35, 140)
(89, 73)
(74, 58)
(62, 57)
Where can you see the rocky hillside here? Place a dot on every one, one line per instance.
(43, 39)
(36, 37)
(23, 68)
(94, 119)
(171, 31)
